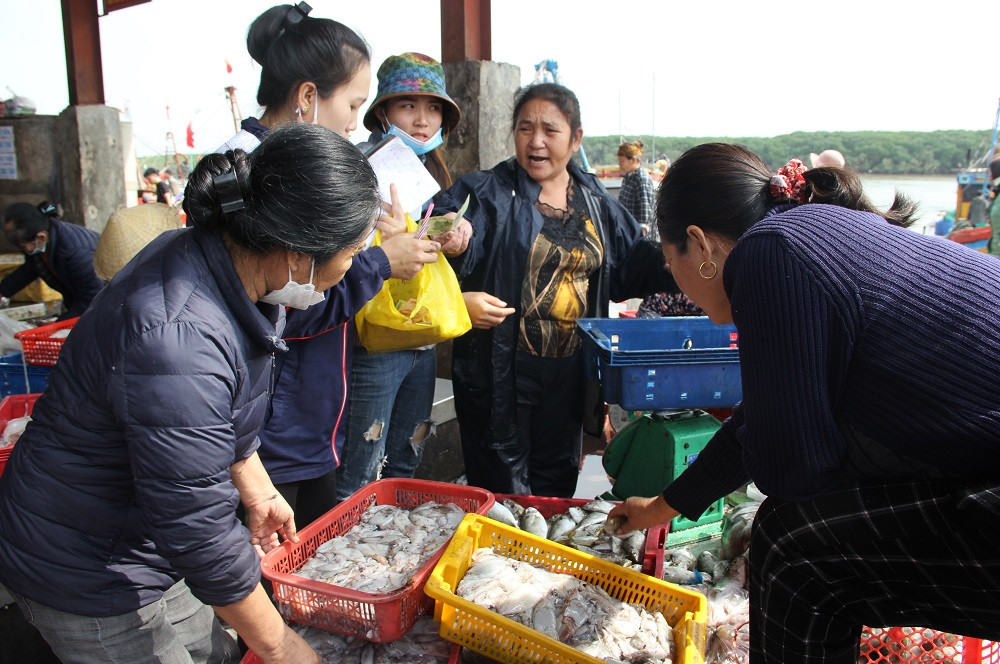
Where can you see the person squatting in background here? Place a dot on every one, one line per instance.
(317, 70)
(858, 369)
(58, 252)
(391, 393)
(549, 245)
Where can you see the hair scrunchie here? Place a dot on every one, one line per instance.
(789, 183)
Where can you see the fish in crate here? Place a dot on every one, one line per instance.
(567, 609)
(583, 526)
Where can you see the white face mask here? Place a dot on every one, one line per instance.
(295, 295)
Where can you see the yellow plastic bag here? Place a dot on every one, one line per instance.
(426, 309)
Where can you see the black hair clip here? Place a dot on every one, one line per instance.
(47, 209)
(227, 186)
(296, 13)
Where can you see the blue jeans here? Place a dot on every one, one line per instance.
(390, 397)
(176, 629)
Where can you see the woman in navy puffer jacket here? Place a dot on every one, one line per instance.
(127, 479)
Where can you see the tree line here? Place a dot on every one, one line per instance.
(890, 152)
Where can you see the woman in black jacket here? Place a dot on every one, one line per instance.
(549, 245)
(58, 252)
(126, 480)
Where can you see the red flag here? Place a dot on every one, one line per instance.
(168, 112)
(190, 136)
(229, 67)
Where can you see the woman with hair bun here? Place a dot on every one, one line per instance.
(117, 507)
(637, 194)
(869, 357)
(316, 70)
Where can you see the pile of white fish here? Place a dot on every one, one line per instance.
(386, 547)
(581, 528)
(567, 609)
(721, 575)
(421, 645)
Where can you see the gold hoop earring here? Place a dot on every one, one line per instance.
(714, 268)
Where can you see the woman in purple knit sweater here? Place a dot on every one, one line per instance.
(871, 404)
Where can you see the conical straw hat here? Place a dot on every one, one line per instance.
(128, 231)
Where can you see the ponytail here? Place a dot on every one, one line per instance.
(842, 186)
(726, 189)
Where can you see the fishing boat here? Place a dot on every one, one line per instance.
(972, 182)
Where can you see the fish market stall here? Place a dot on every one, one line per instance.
(360, 569)
(667, 369)
(516, 597)
(579, 524)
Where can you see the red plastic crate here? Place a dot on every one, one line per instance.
(12, 407)
(900, 645)
(375, 617)
(656, 537)
(38, 345)
(454, 658)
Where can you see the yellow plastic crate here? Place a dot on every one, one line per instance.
(36, 291)
(505, 640)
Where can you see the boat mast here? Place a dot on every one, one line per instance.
(234, 106)
(652, 151)
(992, 152)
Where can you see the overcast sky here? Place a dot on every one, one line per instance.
(692, 68)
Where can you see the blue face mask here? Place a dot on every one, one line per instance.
(38, 250)
(420, 147)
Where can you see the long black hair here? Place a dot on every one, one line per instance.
(292, 48)
(304, 189)
(725, 189)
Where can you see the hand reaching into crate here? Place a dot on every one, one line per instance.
(268, 514)
(641, 513)
(267, 519)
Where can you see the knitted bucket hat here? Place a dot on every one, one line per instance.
(128, 231)
(408, 75)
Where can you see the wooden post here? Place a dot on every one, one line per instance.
(83, 52)
(465, 30)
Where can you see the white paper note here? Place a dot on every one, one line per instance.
(395, 163)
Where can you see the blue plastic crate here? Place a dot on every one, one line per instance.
(12, 376)
(662, 363)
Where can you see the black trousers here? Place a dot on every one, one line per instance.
(310, 499)
(545, 460)
(903, 553)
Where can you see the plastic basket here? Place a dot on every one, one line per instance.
(16, 377)
(662, 363)
(372, 616)
(504, 640)
(899, 645)
(454, 658)
(656, 537)
(12, 407)
(38, 345)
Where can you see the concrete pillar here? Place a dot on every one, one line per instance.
(91, 164)
(37, 179)
(131, 164)
(484, 90)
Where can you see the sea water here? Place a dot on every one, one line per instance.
(934, 195)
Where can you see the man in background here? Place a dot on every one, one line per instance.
(163, 193)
